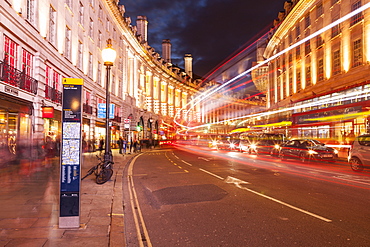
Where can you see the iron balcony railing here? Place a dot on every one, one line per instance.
(17, 78)
(53, 94)
(87, 109)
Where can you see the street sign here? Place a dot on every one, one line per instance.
(127, 121)
(70, 162)
(102, 108)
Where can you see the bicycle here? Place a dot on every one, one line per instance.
(103, 171)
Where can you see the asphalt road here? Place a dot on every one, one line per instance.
(189, 196)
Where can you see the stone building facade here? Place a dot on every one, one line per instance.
(318, 58)
(45, 41)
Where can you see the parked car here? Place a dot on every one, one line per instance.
(307, 150)
(359, 153)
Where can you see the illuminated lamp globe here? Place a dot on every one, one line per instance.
(108, 54)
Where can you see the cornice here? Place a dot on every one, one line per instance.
(294, 16)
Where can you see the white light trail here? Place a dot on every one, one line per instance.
(203, 96)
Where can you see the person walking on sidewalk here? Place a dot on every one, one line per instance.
(124, 145)
(120, 144)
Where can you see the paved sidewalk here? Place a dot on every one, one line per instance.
(29, 210)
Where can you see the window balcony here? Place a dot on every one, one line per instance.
(87, 109)
(17, 78)
(53, 94)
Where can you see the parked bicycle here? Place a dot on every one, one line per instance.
(103, 171)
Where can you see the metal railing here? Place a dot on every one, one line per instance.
(53, 94)
(17, 78)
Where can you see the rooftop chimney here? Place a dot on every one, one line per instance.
(142, 27)
(166, 50)
(189, 65)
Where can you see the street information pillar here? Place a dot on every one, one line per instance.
(70, 161)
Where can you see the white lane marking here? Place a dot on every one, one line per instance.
(183, 161)
(285, 204)
(202, 158)
(134, 201)
(236, 181)
(210, 173)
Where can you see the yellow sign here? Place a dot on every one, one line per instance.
(73, 81)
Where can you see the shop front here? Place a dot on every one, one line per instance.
(15, 128)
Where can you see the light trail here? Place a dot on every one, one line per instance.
(203, 96)
(335, 99)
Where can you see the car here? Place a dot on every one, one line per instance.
(359, 153)
(228, 144)
(307, 150)
(264, 143)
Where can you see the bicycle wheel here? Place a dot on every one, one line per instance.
(104, 176)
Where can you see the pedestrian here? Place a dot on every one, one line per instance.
(120, 144)
(138, 146)
(124, 145)
(135, 146)
(101, 145)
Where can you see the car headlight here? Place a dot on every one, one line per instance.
(277, 146)
(232, 145)
(336, 151)
(311, 152)
(214, 143)
(253, 146)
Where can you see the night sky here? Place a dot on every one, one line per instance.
(211, 30)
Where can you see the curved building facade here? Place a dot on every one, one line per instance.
(318, 57)
(45, 41)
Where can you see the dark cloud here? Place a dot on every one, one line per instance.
(211, 30)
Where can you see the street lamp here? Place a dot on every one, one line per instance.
(108, 55)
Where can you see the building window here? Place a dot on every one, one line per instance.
(357, 53)
(80, 55)
(307, 21)
(67, 43)
(336, 62)
(68, 3)
(27, 59)
(335, 31)
(113, 89)
(99, 74)
(100, 39)
(100, 13)
(358, 17)
(290, 83)
(319, 10)
(334, 2)
(307, 47)
(56, 78)
(320, 69)
(52, 25)
(108, 25)
(81, 14)
(298, 52)
(290, 58)
(298, 31)
(48, 78)
(91, 29)
(31, 11)
(290, 38)
(319, 41)
(298, 79)
(90, 64)
(308, 75)
(11, 52)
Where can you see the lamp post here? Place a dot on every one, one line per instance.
(108, 55)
